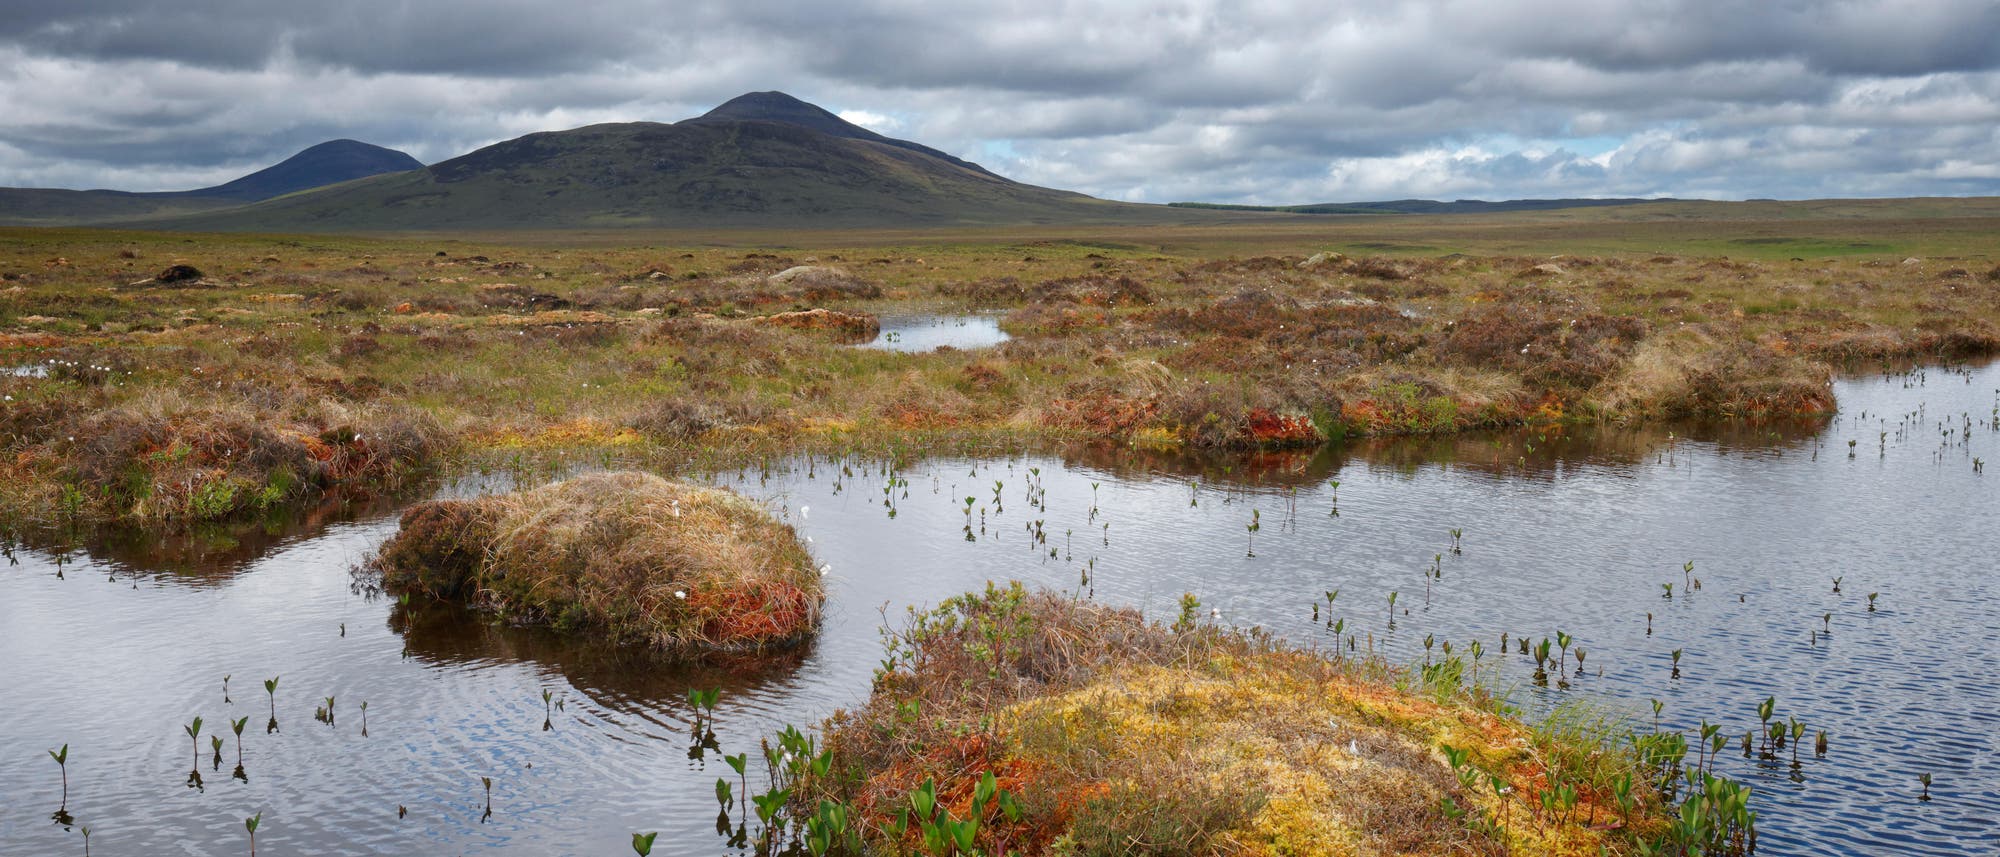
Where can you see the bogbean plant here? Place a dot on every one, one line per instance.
(787, 822)
(1712, 816)
(1706, 813)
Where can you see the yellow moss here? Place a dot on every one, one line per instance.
(1343, 767)
(828, 425)
(584, 432)
(1156, 437)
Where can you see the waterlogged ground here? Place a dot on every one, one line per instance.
(113, 650)
(914, 333)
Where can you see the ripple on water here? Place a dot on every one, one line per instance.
(1572, 531)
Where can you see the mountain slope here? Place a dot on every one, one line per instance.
(764, 159)
(779, 107)
(31, 206)
(324, 164)
(328, 163)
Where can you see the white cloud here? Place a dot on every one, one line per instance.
(879, 123)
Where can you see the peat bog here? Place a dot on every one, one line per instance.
(1558, 531)
(1644, 493)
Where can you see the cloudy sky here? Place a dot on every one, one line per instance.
(1265, 102)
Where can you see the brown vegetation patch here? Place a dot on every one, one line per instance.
(1100, 413)
(818, 283)
(166, 459)
(1268, 428)
(1252, 265)
(513, 296)
(1547, 349)
(679, 567)
(846, 326)
(1057, 318)
(687, 417)
(178, 274)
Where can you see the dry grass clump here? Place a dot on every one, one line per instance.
(1548, 349)
(820, 283)
(1124, 737)
(516, 296)
(1693, 373)
(689, 417)
(796, 285)
(641, 559)
(1097, 290)
(1093, 290)
(845, 326)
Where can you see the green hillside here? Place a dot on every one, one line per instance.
(317, 166)
(763, 161)
(32, 206)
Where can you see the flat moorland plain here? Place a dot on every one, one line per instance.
(282, 365)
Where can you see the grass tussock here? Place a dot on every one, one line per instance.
(1125, 737)
(639, 558)
(166, 458)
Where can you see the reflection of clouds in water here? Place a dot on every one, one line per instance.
(927, 332)
(1570, 530)
(213, 553)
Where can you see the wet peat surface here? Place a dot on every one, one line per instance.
(114, 649)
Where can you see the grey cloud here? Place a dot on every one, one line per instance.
(487, 38)
(1270, 101)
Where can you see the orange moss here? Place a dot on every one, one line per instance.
(761, 613)
(1272, 429)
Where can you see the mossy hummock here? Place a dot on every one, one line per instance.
(679, 567)
(1120, 736)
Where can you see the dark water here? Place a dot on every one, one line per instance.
(927, 332)
(1568, 532)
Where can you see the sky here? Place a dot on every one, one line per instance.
(1205, 100)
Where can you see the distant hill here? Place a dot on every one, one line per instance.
(1421, 206)
(331, 162)
(764, 159)
(327, 163)
(21, 206)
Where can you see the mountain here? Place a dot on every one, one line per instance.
(327, 163)
(331, 162)
(779, 107)
(764, 159)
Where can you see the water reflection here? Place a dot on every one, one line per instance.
(915, 333)
(449, 636)
(209, 553)
(1569, 531)
(1544, 452)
